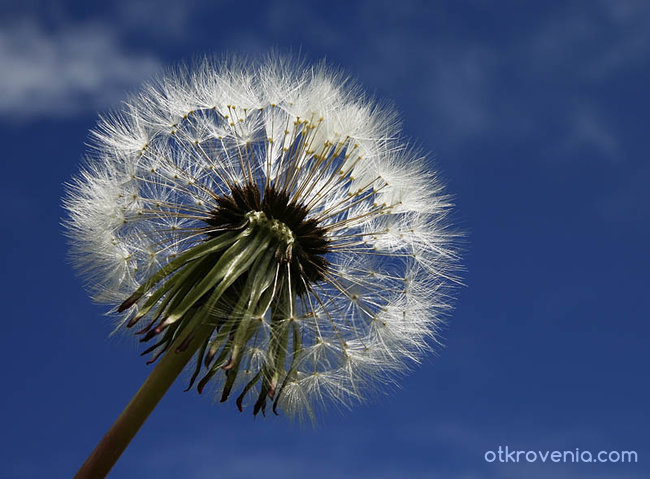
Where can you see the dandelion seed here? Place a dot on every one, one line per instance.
(269, 220)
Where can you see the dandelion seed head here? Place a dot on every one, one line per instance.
(279, 205)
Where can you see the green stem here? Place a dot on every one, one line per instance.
(113, 444)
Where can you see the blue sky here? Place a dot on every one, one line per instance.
(535, 113)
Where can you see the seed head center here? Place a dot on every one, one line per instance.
(274, 227)
(303, 242)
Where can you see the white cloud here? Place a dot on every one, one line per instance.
(62, 72)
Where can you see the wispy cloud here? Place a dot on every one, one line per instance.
(590, 130)
(66, 70)
(579, 53)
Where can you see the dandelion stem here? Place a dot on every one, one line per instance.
(118, 437)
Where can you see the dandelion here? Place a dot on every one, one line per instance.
(268, 220)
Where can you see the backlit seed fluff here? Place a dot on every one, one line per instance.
(279, 205)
